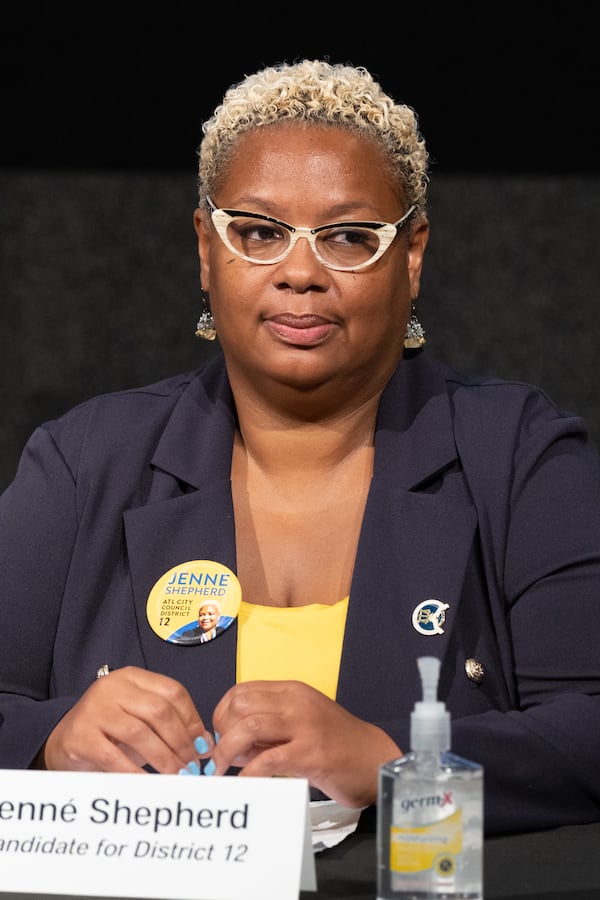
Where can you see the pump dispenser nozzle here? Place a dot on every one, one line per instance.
(429, 720)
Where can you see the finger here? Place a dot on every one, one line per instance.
(76, 744)
(175, 695)
(129, 719)
(249, 696)
(241, 745)
(163, 725)
(252, 717)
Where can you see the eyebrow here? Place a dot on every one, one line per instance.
(337, 212)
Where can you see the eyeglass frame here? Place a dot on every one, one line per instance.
(390, 230)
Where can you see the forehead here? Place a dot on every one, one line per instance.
(301, 158)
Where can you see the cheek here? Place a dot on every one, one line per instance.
(236, 286)
(234, 304)
(217, 264)
(389, 297)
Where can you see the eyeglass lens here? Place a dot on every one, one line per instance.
(341, 245)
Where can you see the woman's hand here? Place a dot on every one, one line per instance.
(288, 728)
(126, 720)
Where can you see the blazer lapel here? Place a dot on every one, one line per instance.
(188, 516)
(415, 545)
(170, 533)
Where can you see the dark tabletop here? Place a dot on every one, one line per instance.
(560, 864)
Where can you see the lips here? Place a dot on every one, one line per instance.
(305, 331)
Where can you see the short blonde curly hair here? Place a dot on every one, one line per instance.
(323, 93)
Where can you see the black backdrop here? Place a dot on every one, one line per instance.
(506, 86)
(102, 105)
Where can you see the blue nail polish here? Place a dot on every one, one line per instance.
(201, 745)
(184, 772)
(217, 737)
(193, 768)
(209, 768)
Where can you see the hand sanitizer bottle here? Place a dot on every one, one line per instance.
(430, 810)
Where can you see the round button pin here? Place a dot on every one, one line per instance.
(194, 602)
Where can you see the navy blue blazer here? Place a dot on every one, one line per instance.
(484, 496)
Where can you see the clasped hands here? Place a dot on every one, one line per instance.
(135, 718)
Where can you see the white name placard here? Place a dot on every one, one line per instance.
(158, 836)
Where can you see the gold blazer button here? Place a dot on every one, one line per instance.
(474, 670)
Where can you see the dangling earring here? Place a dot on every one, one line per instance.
(415, 333)
(206, 324)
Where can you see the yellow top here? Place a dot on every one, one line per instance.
(299, 643)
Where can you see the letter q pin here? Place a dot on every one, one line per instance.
(429, 616)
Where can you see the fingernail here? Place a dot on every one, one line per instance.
(209, 768)
(201, 745)
(184, 772)
(217, 737)
(193, 768)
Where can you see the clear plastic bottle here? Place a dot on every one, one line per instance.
(430, 811)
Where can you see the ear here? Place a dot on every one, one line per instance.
(417, 243)
(202, 228)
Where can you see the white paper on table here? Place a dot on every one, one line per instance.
(331, 823)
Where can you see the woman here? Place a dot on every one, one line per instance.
(206, 627)
(359, 504)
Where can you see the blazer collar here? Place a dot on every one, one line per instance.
(197, 443)
(414, 437)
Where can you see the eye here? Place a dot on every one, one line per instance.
(256, 231)
(351, 235)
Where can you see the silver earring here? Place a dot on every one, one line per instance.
(206, 324)
(415, 333)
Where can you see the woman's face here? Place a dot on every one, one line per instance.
(296, 322)
(208, 616)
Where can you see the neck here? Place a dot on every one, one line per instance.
(288, 445)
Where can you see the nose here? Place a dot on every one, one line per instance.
(302, 242)
(301, 270)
